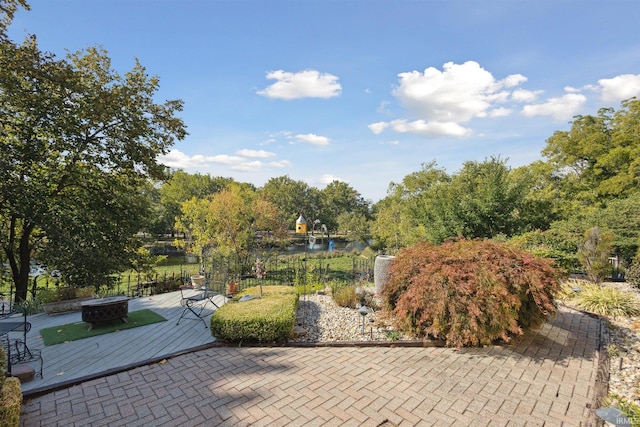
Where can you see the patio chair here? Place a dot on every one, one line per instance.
(19, 352)
(194, 301)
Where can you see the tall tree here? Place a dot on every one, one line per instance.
(487, 200)
(182, 186)
(409, 212)
(599, 156)
(355, 226)
(233, 222)
(65, 124)
(292, 197)
(340, 198)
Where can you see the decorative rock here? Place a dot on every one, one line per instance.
(299, 331)
(325, 321)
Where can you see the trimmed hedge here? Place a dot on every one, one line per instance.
(469, 292)
(266, 319)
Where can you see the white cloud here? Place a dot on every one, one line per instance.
(280, 164)
(499, 112)
(304, 84)
(174, 159)
(457, 94)
(562, 108)
(255, 153)
(620, 87)
(328, 179)
(429, 129)
(514, 80)
(378, 128)
(313, 139)
(572, 89)
(248, 166)
(179, 160)
(442, 101)
(225, 159)
(523, 95)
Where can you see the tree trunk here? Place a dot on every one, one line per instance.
(20, 267)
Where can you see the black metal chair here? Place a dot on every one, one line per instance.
(194, 301)
(18, 350)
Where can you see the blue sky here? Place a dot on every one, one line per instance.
(359, 91)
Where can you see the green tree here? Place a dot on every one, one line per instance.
(483, 200)
(622, 217)
(182, 186)
(293, 198)
(340, 198)
(488, 202)
(594, 253)
(233, 222)
(71, 129)
(414, 209)
(355, 227)
(543, 201)
(599, 156)
(8, 9)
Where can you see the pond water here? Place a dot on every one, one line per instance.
(318, 246)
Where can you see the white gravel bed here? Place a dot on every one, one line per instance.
(624, 351)
(325, 321)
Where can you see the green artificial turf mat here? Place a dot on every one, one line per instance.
(80, 330)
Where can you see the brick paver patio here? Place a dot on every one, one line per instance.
(547, 378)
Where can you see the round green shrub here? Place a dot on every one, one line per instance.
(469, 292)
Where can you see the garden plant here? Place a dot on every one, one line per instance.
(469, 292)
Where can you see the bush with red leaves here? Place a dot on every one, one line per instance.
(470, 292)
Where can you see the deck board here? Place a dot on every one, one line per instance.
(70, 361)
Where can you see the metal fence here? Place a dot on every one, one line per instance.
(219, 271)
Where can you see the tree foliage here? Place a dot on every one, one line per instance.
(469, 292)
(483, 200)
(293, 198)
(355, 227)
(599, 157)
(340, 198)
(235, 221)
(71, 130)
(8, 9)
(182, 186)
(594, 252)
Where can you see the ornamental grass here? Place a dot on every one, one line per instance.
(606, 300)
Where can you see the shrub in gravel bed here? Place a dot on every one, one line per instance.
(605, 300)
(266, 319)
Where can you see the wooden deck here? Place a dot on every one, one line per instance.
(67, 363)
